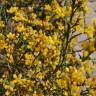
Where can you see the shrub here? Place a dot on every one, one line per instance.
(38, 40)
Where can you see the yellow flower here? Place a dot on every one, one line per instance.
(12, 10)
(20, 27)
(89, 30)
(9, 48)
(19, 16)
(35, 93)
(9, 58)
(47, 7)
(2, 24)
(33, 15)
(40, 75)
(69, 11)
(85, 53)
(60, 26)
(66, 69)
(92, 48)
(85, 44)
(14, 76)
(88, 66)
(58, 73)
(60, 11)
(65, 93)
(69, 57)
(10, 36)
(7, 93)
(94, 21)
(75, 90)
(28, 58)
(2, 43)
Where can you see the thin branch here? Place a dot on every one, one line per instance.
(74, 37)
